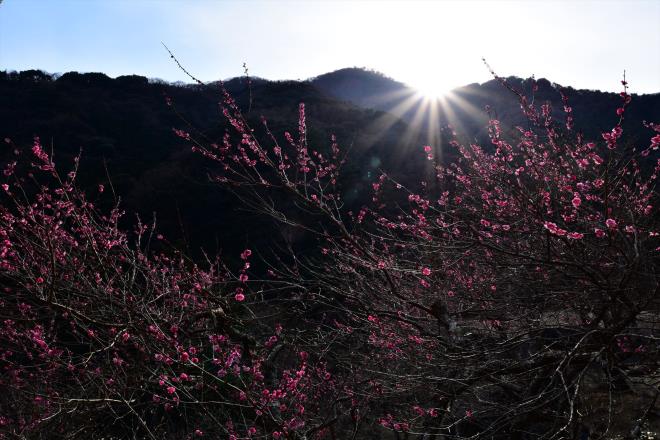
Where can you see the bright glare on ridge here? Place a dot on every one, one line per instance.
(431, 88)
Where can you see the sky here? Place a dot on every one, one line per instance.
(431, 45)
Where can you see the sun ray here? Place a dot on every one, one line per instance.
(397, 113)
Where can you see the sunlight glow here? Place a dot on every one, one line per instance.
(431, 88)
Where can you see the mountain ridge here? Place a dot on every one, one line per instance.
(124, 126)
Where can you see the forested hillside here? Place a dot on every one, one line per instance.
(124, 127)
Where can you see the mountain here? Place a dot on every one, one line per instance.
(366, 88)
(124, 127)
(464, 107)
(125, 130)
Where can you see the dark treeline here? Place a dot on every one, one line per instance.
(125, 130)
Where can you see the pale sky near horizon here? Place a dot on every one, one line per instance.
(432, 45)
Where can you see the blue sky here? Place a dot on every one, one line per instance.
(430, 45)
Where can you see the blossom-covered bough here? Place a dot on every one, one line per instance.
(107, 334)
(515, 296)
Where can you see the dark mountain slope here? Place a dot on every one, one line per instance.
(464, 106)
(366, 88)
(125, 126)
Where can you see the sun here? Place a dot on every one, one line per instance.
(431, 88)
